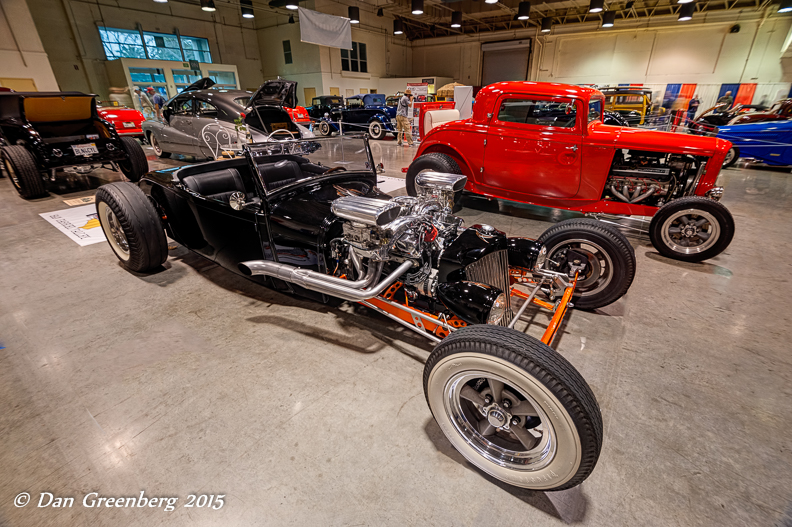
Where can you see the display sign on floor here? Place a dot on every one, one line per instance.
(390, 184)
(81, 224)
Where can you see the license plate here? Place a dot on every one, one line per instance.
(129, 125)
(85, 150)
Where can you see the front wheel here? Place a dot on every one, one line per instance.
(691, 229)
(324, 128)
(132, 226)
(135, 164)
(514, 407)
(376, 130)
(731, 157)
(158, 151)
(610, 256)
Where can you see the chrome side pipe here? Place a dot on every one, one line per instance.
(323, 283)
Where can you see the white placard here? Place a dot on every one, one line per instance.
(388, 184)
(81, 224)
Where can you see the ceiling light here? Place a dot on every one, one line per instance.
(608, 19)
(686, 11)
(524, 11)
(785, 7)
(161, 1)
(208, 5)
(398, 27)
(417, 7)
(247, 8)
(547, 24)
(490, 1)
(354, 14)
(291, 19)
(456, 18)
(596, 6)
(379, 12)
(684, 1)
(292, 4)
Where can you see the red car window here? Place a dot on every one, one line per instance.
(535, 111)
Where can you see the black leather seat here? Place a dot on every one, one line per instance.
(278, 174)
(218, 184)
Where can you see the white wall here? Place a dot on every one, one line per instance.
(22, 54)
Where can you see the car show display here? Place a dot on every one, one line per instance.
(769, 142)
(578, 163)
(289, 216)
(128, 122)
(46, 133)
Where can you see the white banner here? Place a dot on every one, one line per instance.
(325, 30)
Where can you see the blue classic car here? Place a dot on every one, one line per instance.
(357, 116)
(769, 142)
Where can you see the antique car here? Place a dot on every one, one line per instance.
(200, 119)
(322, 106)
(371, 100)
(633, 102)
(299, 115)
(709, 120)
(545, 144)
(780, 111)
(376, 121)
(128, 122)
(306, 218)
(769, 142)
(45, 133)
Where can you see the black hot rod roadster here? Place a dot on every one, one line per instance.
(297, 217)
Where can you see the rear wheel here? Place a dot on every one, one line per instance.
(376, 130)
(731, 157)
(611, 259)
(691, 229)
(324, 128)
(135, 164)
(20, 166)
(431, 162)
(514, 407)
(132, 226)
(157, 148)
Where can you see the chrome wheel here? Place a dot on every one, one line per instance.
(690, 231)
(113, 231)
(324, 128)
(730, 155)
(600, 272)
(500, 422)
(375, 130)
(155, 145)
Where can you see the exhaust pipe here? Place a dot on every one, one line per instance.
(323, 283)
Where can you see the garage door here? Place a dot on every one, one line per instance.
(505, 61)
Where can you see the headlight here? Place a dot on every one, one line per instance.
(327, 114)
(541, 258)
(498, 309)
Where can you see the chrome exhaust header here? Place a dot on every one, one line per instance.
(353, 291)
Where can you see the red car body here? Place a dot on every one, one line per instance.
(127, 121)
(299, 115)
(553, 166)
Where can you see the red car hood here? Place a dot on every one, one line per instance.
(638, 138)
(122, 114)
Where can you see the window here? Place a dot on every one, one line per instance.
(595, 110)
(558, 113)
(206, 110)
(147, 75)
(354, 59)
(224, 80)
(287, 56)
(182, 106)
(183, 78)
(242, 101)
(131, 43)
(354, 103)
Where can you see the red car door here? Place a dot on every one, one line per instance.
(534, 146)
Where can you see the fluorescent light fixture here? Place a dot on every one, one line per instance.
(398, 27)
(490, 1)
(456, 18)
(547, 24)
(524, 11)
(208, 5)
(292, 4)
(596, 6)
(161, 1)
(247, 8)
(417, 7)
(608, 19)
(686, 11)
(785, 7)
(354, 14)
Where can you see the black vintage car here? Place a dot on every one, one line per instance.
(45, 132)
(331, 116)
(306, 218)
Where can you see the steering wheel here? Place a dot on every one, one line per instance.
(281, 131)
(335, 169)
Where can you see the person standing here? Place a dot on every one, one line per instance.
(159, 101)
(727, 100)
(402, 123)
(693, 106)
(146, 106)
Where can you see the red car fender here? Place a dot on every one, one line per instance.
(453, 138)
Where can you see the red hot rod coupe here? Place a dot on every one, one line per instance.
(545, 144)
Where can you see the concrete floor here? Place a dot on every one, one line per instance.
(195, 381)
